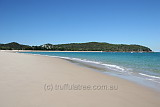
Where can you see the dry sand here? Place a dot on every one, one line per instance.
(29, 81)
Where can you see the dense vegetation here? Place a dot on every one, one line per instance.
(90, 46)
(14, 46)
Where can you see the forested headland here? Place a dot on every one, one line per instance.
(89, 46)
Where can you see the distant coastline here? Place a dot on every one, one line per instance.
(78, 47)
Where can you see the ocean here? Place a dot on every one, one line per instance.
(142, 68)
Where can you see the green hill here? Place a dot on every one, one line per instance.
(14, 46)
(89, 46)
(96, 46)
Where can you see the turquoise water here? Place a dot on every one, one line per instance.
(140, 67)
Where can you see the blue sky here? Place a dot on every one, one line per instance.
(36, 22)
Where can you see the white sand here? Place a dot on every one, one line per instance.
(23, 78)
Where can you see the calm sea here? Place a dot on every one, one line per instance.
(143, 68)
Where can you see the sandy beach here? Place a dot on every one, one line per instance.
(41, 81)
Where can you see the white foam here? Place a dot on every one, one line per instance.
(149, 76)
(153, 80)
(82, 60)
(110, 66)
(115, 67)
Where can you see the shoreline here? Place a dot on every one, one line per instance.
(135, 78)
(130, 78)
(23, 74)
(73, 51)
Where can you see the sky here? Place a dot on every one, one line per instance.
(37, 22)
